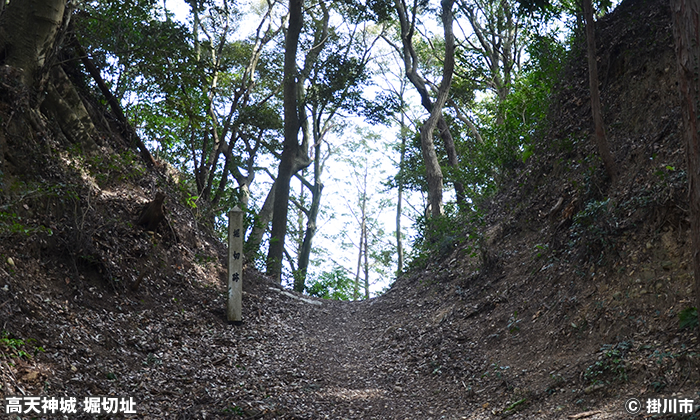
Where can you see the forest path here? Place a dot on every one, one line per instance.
(357, 362)
(175, 354)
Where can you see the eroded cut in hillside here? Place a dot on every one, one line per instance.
(571, 309)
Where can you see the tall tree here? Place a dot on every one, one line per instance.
(400, 186)
(362, 242)
(434, 175)
(686, 31)
(392, 108)
(291, 142)
(334, 86)
(365, 235)
(329, 82)
(316, 189)
(599, 137)
(320, 28)
(426, 132)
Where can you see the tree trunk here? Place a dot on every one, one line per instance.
(686, 30)
(433, 171)
(432, 166)
(399, 199)
(434, 174)
(452, 158)
(600, 138)
(28, 31)
(305, 251)
(266, 212)
(361, 242)
(194, 4)
(262, 222)
(366, 252)
(126, 129)
(291, 143)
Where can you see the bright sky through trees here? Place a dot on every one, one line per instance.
(337, 235)
(496, 100)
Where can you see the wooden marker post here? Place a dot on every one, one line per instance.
(235, 266)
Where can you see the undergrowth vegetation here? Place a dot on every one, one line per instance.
(437, 238)
(17, 348)
(611, 364)
(509, 130)
(511, 127)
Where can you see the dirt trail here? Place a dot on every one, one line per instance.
(175, 354)
(352, 368)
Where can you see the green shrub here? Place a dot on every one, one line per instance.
(611, 365)
(688, 318)
(438, 237)
(330, 285)
(17, 347)
(12, 224)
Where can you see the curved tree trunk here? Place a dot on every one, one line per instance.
(410, 58)
(265, 215)
(433, 170)
(262, 222)
(434, 173)
(312, 214)
(28, 32)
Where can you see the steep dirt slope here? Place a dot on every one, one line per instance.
(574, 304)
(572, 308)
